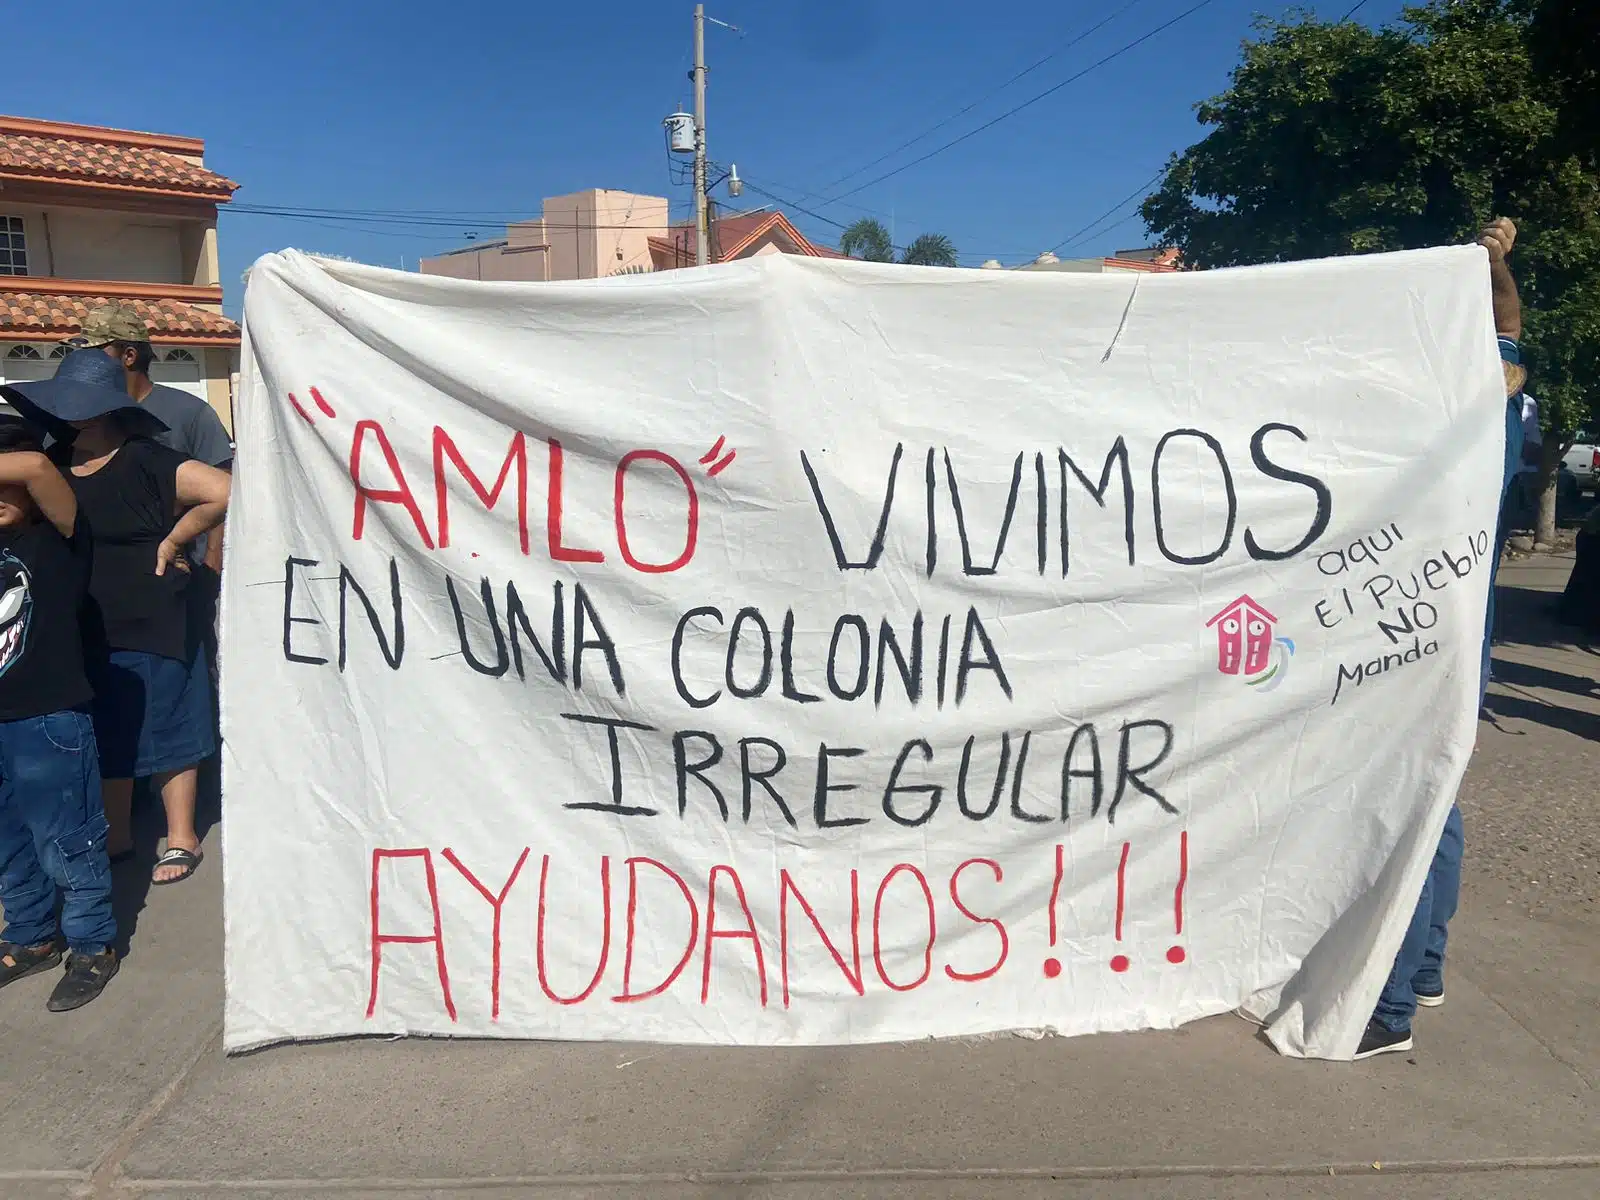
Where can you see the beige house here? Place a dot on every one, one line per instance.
(90, 215)
(593, 234)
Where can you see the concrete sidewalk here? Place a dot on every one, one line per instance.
(133, 1097)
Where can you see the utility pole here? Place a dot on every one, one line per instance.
(702, 231)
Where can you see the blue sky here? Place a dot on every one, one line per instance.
(484, 107)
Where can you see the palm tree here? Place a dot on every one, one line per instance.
(867, 239)
(930, 250)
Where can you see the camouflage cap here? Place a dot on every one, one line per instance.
(114, 323)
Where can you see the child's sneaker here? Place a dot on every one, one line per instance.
(18, 962)
(1381, 1040)
(86, 977)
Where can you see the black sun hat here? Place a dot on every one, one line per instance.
(88, 384)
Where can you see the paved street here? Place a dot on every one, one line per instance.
(133, 1097)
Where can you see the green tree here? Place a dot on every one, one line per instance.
(930, 250)
(867, 239)
(1333, 138)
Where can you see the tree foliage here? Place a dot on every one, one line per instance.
(930, 250)
(868, 239)
(1333, 138)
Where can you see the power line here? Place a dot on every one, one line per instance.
(1028, 70)
(816, 216)
(374, 222)
(1360, 4)
(454, 214)
(1011, 112)
(357, 218)
(799, 191)
(1072, 239)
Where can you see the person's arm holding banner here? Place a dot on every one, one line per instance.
(1418, 974)
(1498, 238)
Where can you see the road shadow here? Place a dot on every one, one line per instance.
(1538, 712)
(1528, 618)
(130, 880)
(1515, 674)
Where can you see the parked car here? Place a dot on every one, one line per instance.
(1521, 509)
(1583, 460)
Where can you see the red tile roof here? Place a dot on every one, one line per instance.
(743, 231)
(45, 316)
(732, 237)
(1137, 264)
(45, 151)
(667, 254)
(1168, 259)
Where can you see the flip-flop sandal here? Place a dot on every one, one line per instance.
(189, 860)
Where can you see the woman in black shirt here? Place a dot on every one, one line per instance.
(144, 505)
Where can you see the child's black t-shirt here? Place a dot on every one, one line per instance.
(43, 577)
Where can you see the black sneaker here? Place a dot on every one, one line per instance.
(86, 977)
(1431, 999)
(1379, 1040)
(18, 962)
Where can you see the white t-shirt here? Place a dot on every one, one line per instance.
(1530, 420)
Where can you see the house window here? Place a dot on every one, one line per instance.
(59, 352)
(13, 247)
(22, 363)
(179, 355)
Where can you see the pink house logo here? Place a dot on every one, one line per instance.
(1246, 645)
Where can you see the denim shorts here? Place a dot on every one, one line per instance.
(152, 714)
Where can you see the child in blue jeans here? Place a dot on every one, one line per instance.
(52, 824)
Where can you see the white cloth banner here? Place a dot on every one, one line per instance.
(803, 652)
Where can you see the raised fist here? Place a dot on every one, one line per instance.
(1498, 237)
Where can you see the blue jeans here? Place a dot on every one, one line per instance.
(1420, 963)
(1513, 461)
(53, 834)
(1488, 622)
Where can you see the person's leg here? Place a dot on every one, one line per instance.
(1397, 1003)
(178, 791)
(55, 776)
(1444, 880)
(181, 735)
(1486, 667)
(119, 703)
(1486, 672)
(116, 797)
(69, 827)
(28, 894)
